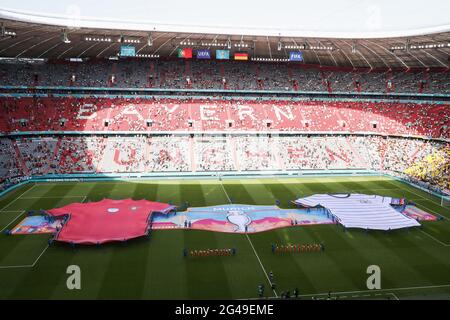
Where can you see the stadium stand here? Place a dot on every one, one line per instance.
(120, 134)
(170, 74)
(141, 154)
(433, 168)
(104, 114)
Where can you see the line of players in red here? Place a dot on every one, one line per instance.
(314, 247)
(209, 252)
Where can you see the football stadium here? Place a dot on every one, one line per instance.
(186, 152)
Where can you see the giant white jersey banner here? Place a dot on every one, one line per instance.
(361, 210)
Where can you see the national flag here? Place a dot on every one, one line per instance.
(241, 56)
(185, 53)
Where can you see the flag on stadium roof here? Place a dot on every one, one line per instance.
(222, 54)
(185, 53)
(241, 56)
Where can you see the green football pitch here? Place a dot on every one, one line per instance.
(414, 263)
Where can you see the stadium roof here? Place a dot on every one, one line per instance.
(346, 33)
(291, 18)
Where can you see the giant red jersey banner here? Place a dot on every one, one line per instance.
(107, 220)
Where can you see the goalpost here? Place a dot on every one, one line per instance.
(445, 201)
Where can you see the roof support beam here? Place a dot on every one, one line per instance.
(90, 47)
(64, 52)
(177, 46)
(159, 48)
(49, 49)
(107, 47)
(360, 53)
(377, 55)
(35, 45)
(15, 44)
(386, 50)
(156, 38)
(331, 53)
(270, 49)
(347, 57)
(420, 61)
(429, 54)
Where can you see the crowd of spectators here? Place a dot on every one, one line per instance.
(220, 134)
(233, 75)
(10, 170)
(164, 114)
(78, 154)
(36, 154)
(170, 153)
(434, 168)
(422, 159)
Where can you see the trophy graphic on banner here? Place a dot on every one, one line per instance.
(239, 219)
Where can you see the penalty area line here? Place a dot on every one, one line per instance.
(19, 197)
(27, 265)
(4, 228)
(42, 253)
(39, 256)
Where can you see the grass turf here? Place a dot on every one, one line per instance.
(414, 263)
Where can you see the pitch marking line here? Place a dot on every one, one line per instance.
(431, 199)
(354, 296)
(225, 191)
(433, 211)
(394, 295)
(251, 244)
(426, 199)
(379, 292)
(429, 235)
(21, 213)
(27, 265)
(19, 197)
(260, 263)
(40, 255)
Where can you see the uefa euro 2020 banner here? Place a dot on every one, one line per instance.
(222, 54)
(203, 54)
